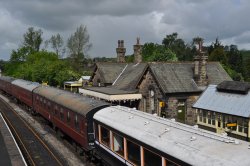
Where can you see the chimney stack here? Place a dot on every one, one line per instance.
(137, 51)
(200, 67)
(120, 50)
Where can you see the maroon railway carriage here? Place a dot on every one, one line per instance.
(22, 91)
(70, 113)
(5, 84)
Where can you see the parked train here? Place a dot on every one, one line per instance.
(124, 136)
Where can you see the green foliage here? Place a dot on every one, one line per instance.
(233, 74)
(218, 54)
(178, 46)
(129, 58)
(78, 44)
(32, 39)
(155, 52)
(41, 67)
(57, 43)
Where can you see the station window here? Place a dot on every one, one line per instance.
(133, 151)
(118, 144)
(151, 158)
(61, 114)
(105, 136)
(68, 117)
(76, 122)
(243, 125)
(204, 116)
(211, 117)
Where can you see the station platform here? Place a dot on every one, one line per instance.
(10, 153)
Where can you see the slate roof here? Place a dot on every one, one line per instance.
(224, 102)
(109, 71)
(178, 77)
(130, 77)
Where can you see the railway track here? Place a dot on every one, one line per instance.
(35, 150)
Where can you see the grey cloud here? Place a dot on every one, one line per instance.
(110, 20)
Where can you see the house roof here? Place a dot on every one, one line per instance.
(124, 86)
(109, 71)
(130, 76)
(224, 102)
(178, 77)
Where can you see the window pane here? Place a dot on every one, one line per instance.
(76, 123)
(118, 144)
(133, 153)
(61, 114)
(68, 117)
(151, 158)
(105, 137)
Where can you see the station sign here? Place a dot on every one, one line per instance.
(231, 124)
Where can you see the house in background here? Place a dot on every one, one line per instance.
(167, 89)
(225, 108)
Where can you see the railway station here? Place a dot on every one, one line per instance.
(10, 153)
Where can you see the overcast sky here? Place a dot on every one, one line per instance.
(110, 20)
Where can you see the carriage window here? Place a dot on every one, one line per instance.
(105, 136)
(76, 123)
(61, 114)
(55, 110)
(96, 131)
(68, 117)
(151, 158)
(49, 106)
(133, 153)
(118, 144)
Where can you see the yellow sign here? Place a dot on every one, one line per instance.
(231, 124)
(161, 104)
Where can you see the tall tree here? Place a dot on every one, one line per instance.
(156, 52)
(33, 39)
(57, 43)
(78, 44)
(177, 45)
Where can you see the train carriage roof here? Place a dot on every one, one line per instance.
(186, 143)
(78, 103)
(28, 85)
(7, 78)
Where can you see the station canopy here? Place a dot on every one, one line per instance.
(110, 94)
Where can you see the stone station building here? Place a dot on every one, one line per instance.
(168, 89)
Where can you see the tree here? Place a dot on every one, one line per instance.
(178, 46)
(155, 52)
(218, 54)
(235, 59)
(19, 55)
(33, 39)
(56, 42)
(78, 44)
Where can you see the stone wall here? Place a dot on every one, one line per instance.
(172, 107)
(97, 78)
(171, 101)
(148, 83)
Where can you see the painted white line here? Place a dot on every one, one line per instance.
(14, 140)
